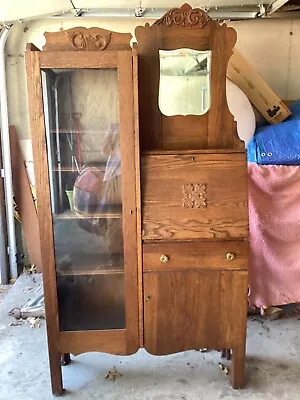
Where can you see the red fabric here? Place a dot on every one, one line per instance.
(274, 224)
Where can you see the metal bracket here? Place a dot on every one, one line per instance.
(7, 24)
(140, 12)
(77, 12)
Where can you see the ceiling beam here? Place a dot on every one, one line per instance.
(276, 5)
(222, 13)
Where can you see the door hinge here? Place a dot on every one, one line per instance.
(2, 173)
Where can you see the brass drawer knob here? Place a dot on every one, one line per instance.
(164, 259)
(148, 298)
(230, 256)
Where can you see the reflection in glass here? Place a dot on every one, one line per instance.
(184, 86)
(82, 132)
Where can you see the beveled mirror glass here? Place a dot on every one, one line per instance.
(184, 86)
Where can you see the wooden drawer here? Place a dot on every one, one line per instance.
(230, 255)
(194, 196)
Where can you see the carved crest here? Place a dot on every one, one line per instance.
(81, 40)
(194, 195)
(185, 16)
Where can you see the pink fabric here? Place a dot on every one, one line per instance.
(274, 224)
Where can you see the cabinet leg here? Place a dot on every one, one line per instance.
(65, 359)
(238, 379)
(55, 371)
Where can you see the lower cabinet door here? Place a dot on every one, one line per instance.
(194, 309)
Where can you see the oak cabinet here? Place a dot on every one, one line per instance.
(84, 145)
(143, 216)
(194, 208)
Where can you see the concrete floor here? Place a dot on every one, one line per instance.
(3, 291)
(273, 365)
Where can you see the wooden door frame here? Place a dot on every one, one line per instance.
(122, 341)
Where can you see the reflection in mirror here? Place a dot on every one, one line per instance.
(184, 86)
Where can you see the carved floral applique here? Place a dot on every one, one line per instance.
(194, 195)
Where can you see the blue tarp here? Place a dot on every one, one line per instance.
(278, 144)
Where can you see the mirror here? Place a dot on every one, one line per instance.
(184, 86)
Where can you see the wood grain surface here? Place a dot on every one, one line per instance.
(164, 216)
(128, 164)
(113, 341)
(86, 39)
(196, 255)
(193, 310)
(37, 126)
(25, 202)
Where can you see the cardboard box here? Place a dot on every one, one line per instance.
(261, 96)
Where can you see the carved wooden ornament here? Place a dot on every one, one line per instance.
(81, 40)
(86, 39)
(194, 195)
(185, 16)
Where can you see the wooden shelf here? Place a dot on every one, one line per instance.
(97, 166)
(91, 264)
(89, 271)
(74, 132)
(111, 212)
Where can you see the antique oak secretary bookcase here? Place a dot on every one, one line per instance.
(142, 191)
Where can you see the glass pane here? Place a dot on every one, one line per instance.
(82, 132)
(184, 86)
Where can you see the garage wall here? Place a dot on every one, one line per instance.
(270, 45)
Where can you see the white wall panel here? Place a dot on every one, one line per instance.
(266, 45)
(19, 9)
(294, 66)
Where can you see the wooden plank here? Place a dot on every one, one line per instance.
(37, 126)
(75, 59)
(112, 341)
(201, 255)
(191, 152)
(114, 214)
(31, 47)
(188, 197)
(24, 201)
(233, 322)
(138, 195)
(264, 99)
(127, 144)
(89, 271)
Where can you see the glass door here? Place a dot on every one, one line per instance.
(81, 108)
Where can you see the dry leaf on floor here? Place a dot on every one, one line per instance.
(273, 312)
(27, 289)
(224, 369)
(18, 323)
(34, 322)
(30, 269)
(112, 374)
